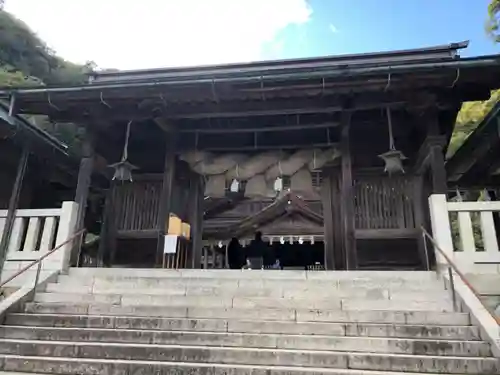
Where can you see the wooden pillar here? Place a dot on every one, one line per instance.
(435, 142)
(165, 197)
(347, 194)
(439, 185)
(429, 163)
(196, 220)
(82, 189)
(107, 243)
(13, 205)
(328, 212)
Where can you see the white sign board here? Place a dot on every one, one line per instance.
(170, 244)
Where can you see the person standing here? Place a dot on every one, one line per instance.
(235, 254)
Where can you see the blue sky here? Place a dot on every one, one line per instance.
(129, 34)
(358, 26)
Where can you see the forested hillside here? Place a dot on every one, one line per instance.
(26, 60)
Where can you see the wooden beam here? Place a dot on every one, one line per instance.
(386, 233)
(347, 194)
(13, 205)
(166, 195)
(284, 106)
(261, 129)
(242, 108)
(282, 146)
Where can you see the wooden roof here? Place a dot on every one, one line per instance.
(14, 124)
(265, 67)
(285, 205)
(476, 163)
(264, 105)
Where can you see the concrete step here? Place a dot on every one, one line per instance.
(251, 278)
(250, 340)
(299, 315)
(249, 326)
(251, 274)
(249, 282)
(254, 356)
(280, 291)
(81, 366)
(250, 285)
(444, 304)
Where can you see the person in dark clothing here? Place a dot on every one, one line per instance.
(235, 254)
(257, 249)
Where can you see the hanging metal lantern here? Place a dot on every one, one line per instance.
(393, 158)
(278, 183)
(235, 184)
(393, 161)
(123, 169)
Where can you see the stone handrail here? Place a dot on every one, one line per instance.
(465, 251)
(35, 232)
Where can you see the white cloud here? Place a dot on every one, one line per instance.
(130, 34)
(333, 28)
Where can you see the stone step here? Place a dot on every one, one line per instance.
(280, 291)
(251, 274)
(251, 340)
(252, 285)
(254, 356)
(254, 278)
(250, 326)
(444, 304)
(81, 366)
(299, 315)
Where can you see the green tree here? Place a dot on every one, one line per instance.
(22, 52)
(25, 60)
(472, 113)
(493, 22)
(468, 118)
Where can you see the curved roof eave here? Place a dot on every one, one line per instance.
(462, 160)
(285, 74)
(37, 133)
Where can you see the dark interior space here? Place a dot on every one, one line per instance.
(136, 253)
(293, 254)
(299, 255)
(388, 254)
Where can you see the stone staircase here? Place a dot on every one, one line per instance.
(145, 322)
